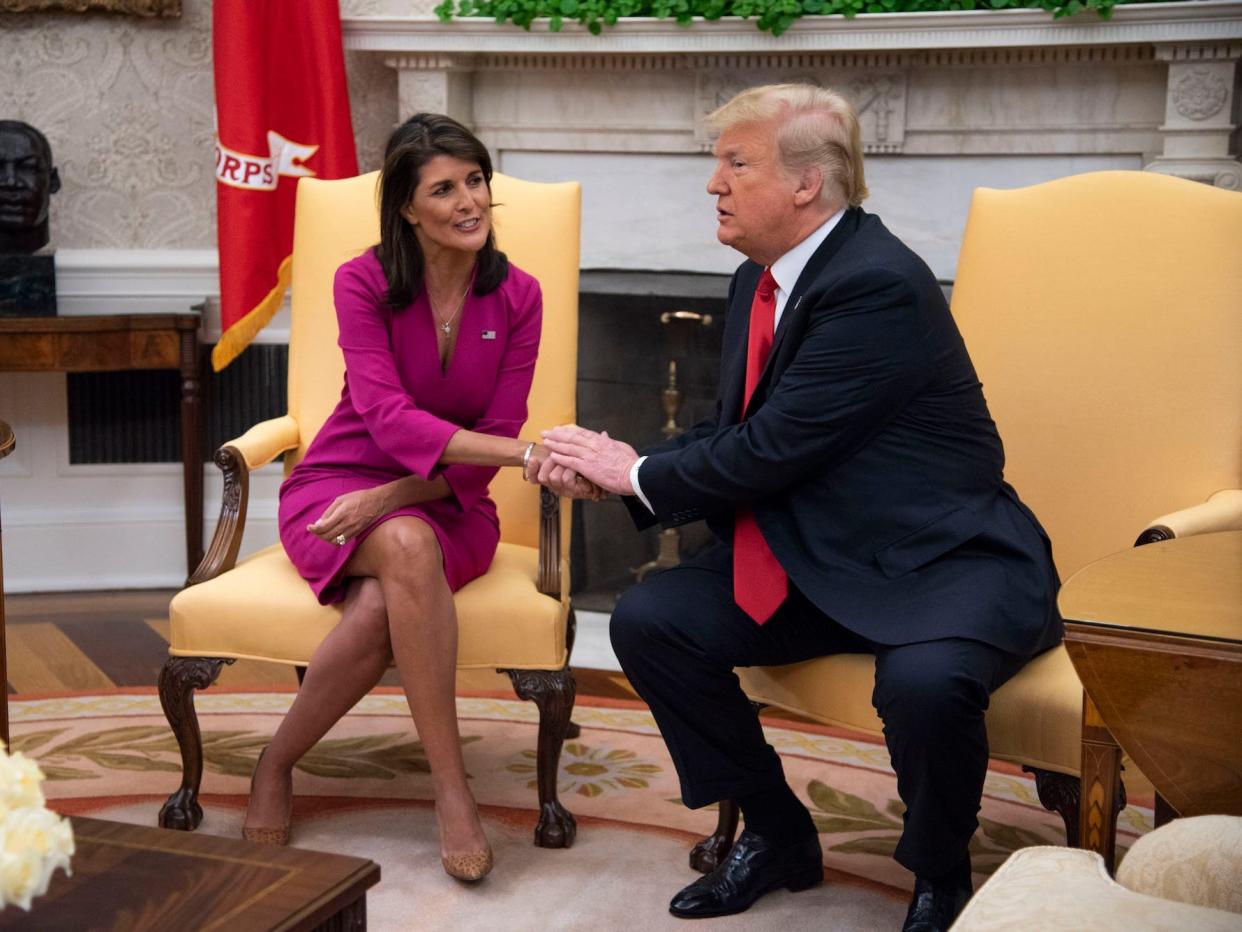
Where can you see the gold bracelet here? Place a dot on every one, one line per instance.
(530, 448)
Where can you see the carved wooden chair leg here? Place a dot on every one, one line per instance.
(708, 854)
(178, 680)
(1059, 793)
(553, 692)
(1062, 794)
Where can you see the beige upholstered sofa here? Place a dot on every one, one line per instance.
(1183, 877)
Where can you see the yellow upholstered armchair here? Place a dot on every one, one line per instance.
(515, 618)
(1103, 313)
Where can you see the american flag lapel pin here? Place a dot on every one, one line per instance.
(489, 334)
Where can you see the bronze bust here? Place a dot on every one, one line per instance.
(27, 182)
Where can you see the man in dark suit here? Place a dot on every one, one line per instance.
(854, 477)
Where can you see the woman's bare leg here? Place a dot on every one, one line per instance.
(348, 663)
(404, 555)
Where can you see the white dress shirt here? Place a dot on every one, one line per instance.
(786, 270)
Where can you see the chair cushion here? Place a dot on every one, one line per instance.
(1034, 719)
(1041, 888)
(262, 610)
(1194, 860)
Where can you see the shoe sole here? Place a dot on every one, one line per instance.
(794, 885)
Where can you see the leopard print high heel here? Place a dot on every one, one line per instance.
(471, 867)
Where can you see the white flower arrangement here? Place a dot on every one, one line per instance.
(34, 841)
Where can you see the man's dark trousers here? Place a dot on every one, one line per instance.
(679, 635)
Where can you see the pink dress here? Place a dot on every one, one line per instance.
(398, 410)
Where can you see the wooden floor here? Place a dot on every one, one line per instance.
(92, 641)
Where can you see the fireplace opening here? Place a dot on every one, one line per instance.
(648, 364)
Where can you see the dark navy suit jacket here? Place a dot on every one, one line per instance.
(868, 456)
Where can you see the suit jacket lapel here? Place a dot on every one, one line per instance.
(733, 367)
(845, 228)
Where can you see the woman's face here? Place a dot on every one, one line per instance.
(451, 208)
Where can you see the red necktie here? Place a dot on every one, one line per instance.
(759, 583)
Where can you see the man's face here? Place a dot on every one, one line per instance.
(754, 193)
(26, 181)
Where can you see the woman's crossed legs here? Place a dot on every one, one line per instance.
(398, 606)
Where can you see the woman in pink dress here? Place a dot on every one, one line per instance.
(388, 512)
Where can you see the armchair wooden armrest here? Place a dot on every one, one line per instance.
(257, 447)
(1221, 512)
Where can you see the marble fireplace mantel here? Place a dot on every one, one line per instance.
(948, 101)
(1148, 23)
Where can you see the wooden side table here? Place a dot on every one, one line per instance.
(7, 443)
(119, 342)
(1155, 635)
(148, 879)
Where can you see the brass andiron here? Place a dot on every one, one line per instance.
(668, 553)
(670, 398)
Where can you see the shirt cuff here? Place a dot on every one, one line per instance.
(638, 491)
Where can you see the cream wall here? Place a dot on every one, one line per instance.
(126, 104)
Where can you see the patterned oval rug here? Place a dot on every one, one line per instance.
(364, 791)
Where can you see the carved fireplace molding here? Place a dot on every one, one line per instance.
(1157, 81)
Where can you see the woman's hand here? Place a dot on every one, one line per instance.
(350, 515)
(534, 462)
(560, 479)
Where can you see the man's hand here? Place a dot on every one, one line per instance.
(596, 457)
(565, 482)
(540, 470)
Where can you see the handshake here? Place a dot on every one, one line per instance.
(578, 463)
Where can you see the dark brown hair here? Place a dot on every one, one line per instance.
(411, 146)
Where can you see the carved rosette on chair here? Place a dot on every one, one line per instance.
(515, 618)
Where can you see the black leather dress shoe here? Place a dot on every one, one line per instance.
(935, 904)
(752, 868)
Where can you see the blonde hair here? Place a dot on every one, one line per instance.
(818, 129)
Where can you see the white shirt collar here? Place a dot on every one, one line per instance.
(788, 267)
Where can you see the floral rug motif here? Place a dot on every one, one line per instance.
(114, 756)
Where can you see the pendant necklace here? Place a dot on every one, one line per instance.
(446, 324)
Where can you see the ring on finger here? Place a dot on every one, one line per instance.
(340, 540)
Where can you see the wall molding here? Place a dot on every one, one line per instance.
(149, 281)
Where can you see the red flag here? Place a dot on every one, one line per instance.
(282, 113)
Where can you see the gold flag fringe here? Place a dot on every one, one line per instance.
(240, 335)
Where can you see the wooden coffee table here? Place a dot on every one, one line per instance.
(135, 878)
(1155, 635)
